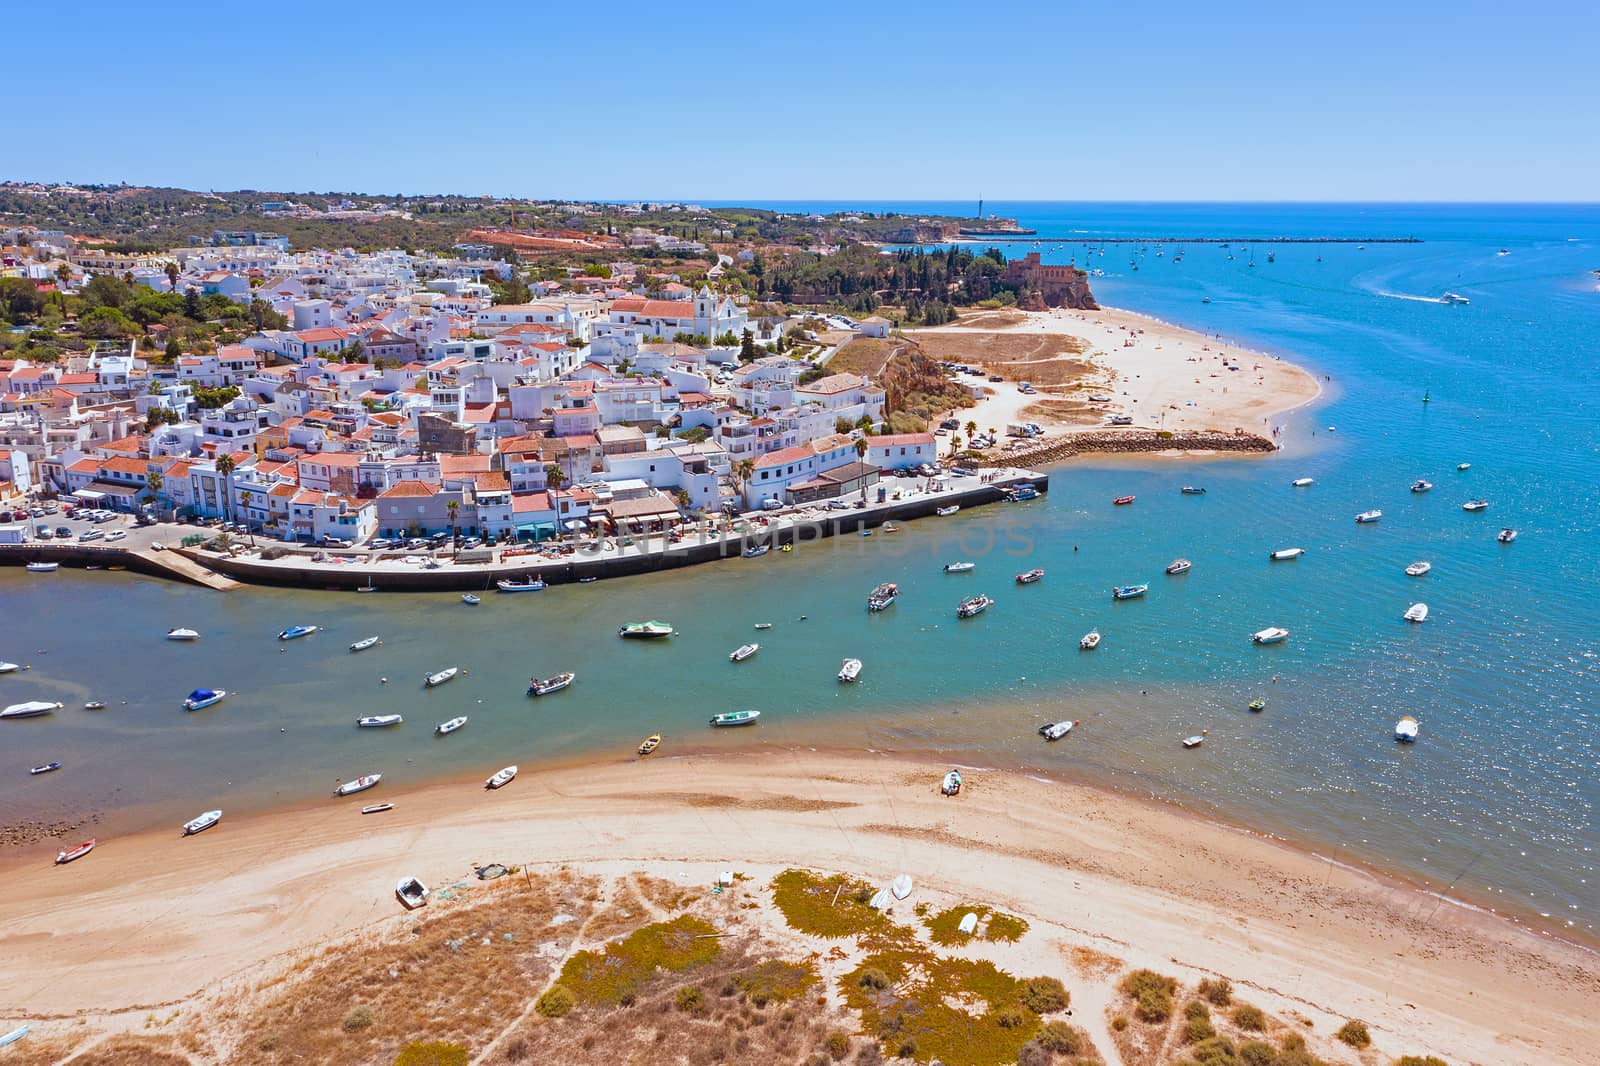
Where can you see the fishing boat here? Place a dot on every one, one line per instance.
(47, 768)
(951, 785)
(1056, 730)
(1417, 612)
(1258, 705)
(470, 600)
(1123, 501)
(377, 808)
(1022, 494)
(1463, 466)
(62, 858)
(1302, 482)
(201, 698)
(850, 670)
(1129, 592)
(365, 643)
(650, 743)
(1405, 730)
(1030, 577)
(946, 512)
(973, 605)
(888, 527)
(1193, 490)
(1283, 554)
(295, 632)
(360, 784)
(544, 687)
(763, 625)
(31, 709)
(735, 718)
(651, 630)
(1506, 536)
(411, 893)
(1270, 635)
(1179, 566)
(958, 568)
(883, 597)
(44, 568)
(95, 705)
(1368, 516)
(1193, 742)
(1420, 485)
(1475, 505)
(1418, 569)
(1454, 298)
(434, 680)
(183, 634)
(743, 652)
(378, 721)
(525, 585)
(501, 778)
(756, 551)
(1089, 641)
(202, 823)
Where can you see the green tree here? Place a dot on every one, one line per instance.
(553, 476)
(174, 350)
(191, 305)
(154, 482)
(861, 455)
(453, 506)
(105, 323)
(105, 290)
(747, 347)
(172, 272)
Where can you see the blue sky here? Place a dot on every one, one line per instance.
(717, 101)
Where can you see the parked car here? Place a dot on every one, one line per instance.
(330, 541)
(90, 534)
(42, 531)
(472, 542)
(379, 543)
(63, 531)
(950, 423)
(417, 542)
(116, 534)
(996, 377)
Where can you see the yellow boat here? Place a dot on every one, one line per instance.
(651, 743)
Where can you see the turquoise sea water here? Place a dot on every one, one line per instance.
(1497, 800)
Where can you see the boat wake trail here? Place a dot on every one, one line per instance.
(1407, 296)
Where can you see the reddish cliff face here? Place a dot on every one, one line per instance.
(1053, 286)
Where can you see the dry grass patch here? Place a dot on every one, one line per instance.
(995, 350)
(134, 1051)
(993, 319)
(864, 355)
(1092, 964)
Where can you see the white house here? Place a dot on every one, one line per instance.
(900, 451)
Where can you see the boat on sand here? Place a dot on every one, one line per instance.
(360, 784)
(651, 743)
(62, 858)
(411, 892)
(201, 823)
(951, 785)
(501, 778)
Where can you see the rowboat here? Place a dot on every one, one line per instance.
(1475, 505)
(1368, 516)
(900, 887)
(951, 785)
(763, 625)
(501, 778)
(651, 630)
(883, 597)
(411, 893)
(434, 680)
(294, 632)
(47, 768)
(958, 568)
(1123, 501)
(183, 634)
(1286, 553)
(525, 585)
(1506, 536)
(1418, 569)
(1030, 577)
(360, 784)
(544, 687)
(31, 709)
(973, 606)
(1405, 730)
(364, 643)
(204, 697)
(1193, 742)
(850, 670)
(1270, 635)
(743, 652)
(16, 1034)
(1089, 641)
(1193, 490)
(735, 718)
(445, 728)
(378, 721)
(78, 852)
(44, 568)
(1301, 482)
(1128, 592)
(377, 808)
(1420, 485)
(756, 551)
(202, 823)
(1056, 730)
(1417, 612)
(650, 743)
(1463, 466)
(470, 600)
(1258, 705)
(1179, 566)
(946, 512)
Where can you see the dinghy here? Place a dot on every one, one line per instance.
(95, 705)
(378, 721)
(1193, 742)
(1029, 577)
(62, 858)
(446, 728)
(360, 784)
(364, 643)
(377, 808)
(650, 743)
(951, 785)
(202, 823)
(411, 892)
(946, 512)
(1283, 554)
(434, 680)
(47, 768)
(501, 778)
(470, 600)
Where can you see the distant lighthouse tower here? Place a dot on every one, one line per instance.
(980, 209)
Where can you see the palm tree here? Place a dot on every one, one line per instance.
(453, 506)
(972, 429)
(861, 454)
(245, 498)
(172, 272)
(955, 445)
(154, 481)
(553, 477)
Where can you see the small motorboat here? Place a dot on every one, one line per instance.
(651, 630)
(202, 823)
(1123, 501)
(890, 527)
(435, 680)
(1021, 493)
(1089, 641)
(1368, 516)
(44, 568)
(1129, 592)
(9, 668)
(1258, 705)
(1506, 536)
(295, 632)
(591, 579)
(378, 721)
(1193, 490)
(31, 709)
(900, 887)
(446, 728)
(1475, 505)
(1193, 742)
(650, 744)
(1454, 298)
(377, 808)
(470, 600)
(1417, 612)
(743, 652)
(1270, 635)
(1463, 466)
(735, 718)
(360, 784)
(501, 778)
(951, 785)
(850, 670)
(201, 698)
(1030, 577)
(183, 634)
(47, 768)
(1418, 569)
(365, 643)
(973, 606)
(1405, 730)
(545, 686)
(1421, 485)
(1179, 566)
(62, 858)
(1302, 482)
(411, 893)
(883, 597)
(1056, 730)
(946, 512)
(763, 625)
(1283, 554)
(95, 705)
(756, 551)
(368, 587)
(959, 568)
(525, 585)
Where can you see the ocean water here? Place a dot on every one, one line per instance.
(1496, 803)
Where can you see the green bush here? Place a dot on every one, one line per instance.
(1196, 1009)
(873, 978)
(691, 999)
(1215, 1051)
(1153, 1005)
(1044, 995)
(1258, 1053)
(1420, 1060)
(1355, 1034)
(1011, 1017)
(1250, 1018)
(1218, 993)
(557, 1002)
(1198, 1030)
(436, 1053)
(358, 1019)
(1060, 1038)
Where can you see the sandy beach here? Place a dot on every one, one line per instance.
(156, 924)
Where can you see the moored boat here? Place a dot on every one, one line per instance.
(883, 597)
(973, 605)
(364, 643)
(1193, 490)
(470, 600)
(1368, 516)
(47, 768)
(446, 728)
(945, 512)
(1286, 553)
(411, 893)
(850, 669)
(651, 630)
(95, 705)
(1193, 742)
(1029, 577)
(959, 568)
(1417, 612)
(360, 784)
(1506, 536)
(183, 634)
(1056, 730)
(1258, 705)
(1405, 730)
(545, 686)
(743, 652)
(756, 551)
(201, 823)
(31, 709)
(1418, 569)
(437, 679)
(951, 785)
(44, 568)
(1022, 493)
(1270, 635)
(1089, 641)
(729, 718)
(1475, 505)
(1463, 466)
(501, 778)
(9, 668)
(64, 857)
(1123, 501)
(1129, 592)
(525, 585)
(1302, 482)
(378, 721)
(1179, 566)
(204, 697)
(1421, 485)
(650, 744)
(295, 632)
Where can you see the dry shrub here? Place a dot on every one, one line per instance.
(1354, 1033)
(556, 1002)
(1250, 1019)
(1218, 993)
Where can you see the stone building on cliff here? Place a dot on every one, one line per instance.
(1057, 286)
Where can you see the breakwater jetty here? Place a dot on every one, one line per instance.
(1135, 441)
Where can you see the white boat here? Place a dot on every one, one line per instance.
(951, 785)
(1454, 298)
(958, 568)
(763, 625)
(743, 652)
(1302, 482)
(20, 1031)
(756, 551)
(507, 585)
(850, 670)
(44, 568)
(360, 784)
(545, 686)
(901, 886)
(973, 606)
(1418, 569)
(883, 596)
(183, 634)
(201, 698)
(1417, 612)
(1463, 466)
(1287, 553)
(946, 512)
(1405, 730)
(1056, 730)
(470, 600)
(295, 632)
(378, 721)
(879, 900)
(1089, 641)
(47, 768)
(1193, 742)
(1475, 505)
(501, 778)
(433, 680)
(651, 630)
(1421, 485)
(64, 857)
(377, 808)
(365, 643)
(411, 893)
(451, 726)
(732, 718)
(202, 823)
(95, 705)
(1368, 516)
(1270, 635)
(9, 668)
(1129, 592)
(1179, 566)
(969, 923)
(1506, 536)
